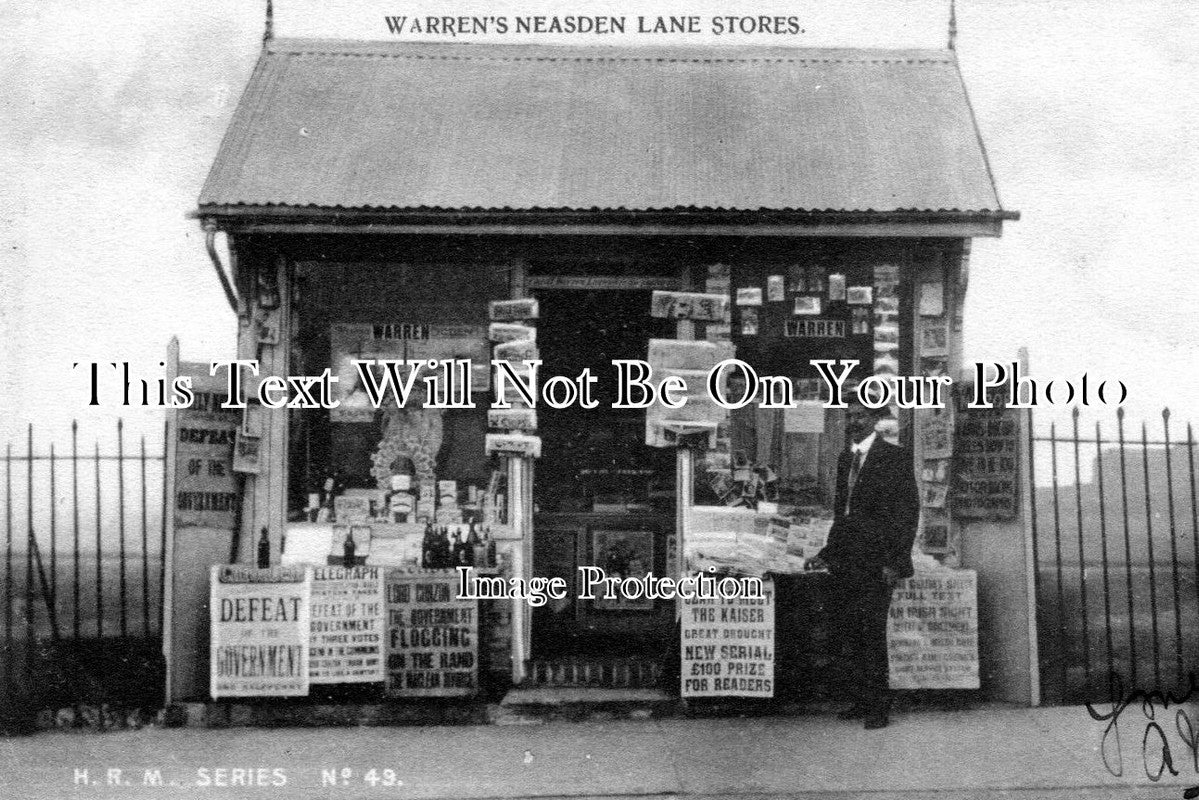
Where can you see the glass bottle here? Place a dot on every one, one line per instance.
(264, 550)
(428, 548)
(477, 553)
(444, 549)
(489, 547)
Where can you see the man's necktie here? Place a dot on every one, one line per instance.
(854, 469)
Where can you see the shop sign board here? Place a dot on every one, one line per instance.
(346, 617)
(728, 646)
(517, 351)
(513, 310)
(594, 283)
(814, 328)
(932, 631)
(985, 463)
(691, 361)
(513, 444)
(259, 622)
(432, 637)
(513, 419)
(690, 305)
(505, 332)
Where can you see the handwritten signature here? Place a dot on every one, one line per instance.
(1157, 754)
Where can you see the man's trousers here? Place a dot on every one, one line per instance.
(857, 613)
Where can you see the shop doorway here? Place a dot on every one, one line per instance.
(602, 497)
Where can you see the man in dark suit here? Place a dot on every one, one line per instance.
(869, 550)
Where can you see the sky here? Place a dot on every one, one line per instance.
(113, 112)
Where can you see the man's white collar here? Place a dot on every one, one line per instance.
(864, 446)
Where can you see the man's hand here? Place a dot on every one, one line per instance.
(890, 576)
(814, 564)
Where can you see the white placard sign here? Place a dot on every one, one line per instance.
(432, 636)
(346, 616)
(932, 632)
(728, 646)
(260, 626)
(512, 444)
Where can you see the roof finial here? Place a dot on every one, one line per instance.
(268, 32)
(953, 24)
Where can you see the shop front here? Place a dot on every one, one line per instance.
(581, 207)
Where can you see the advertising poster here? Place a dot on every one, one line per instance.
(205, 435)
(432, 637)
(347, 615)
(985, 463)
(728, 646)
(932, 632)
(260, 629)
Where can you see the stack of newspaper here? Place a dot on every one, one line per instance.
(739, 541)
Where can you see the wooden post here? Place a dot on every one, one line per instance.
(520, 504)
(264, 503)
(168, 520)
(684, 481)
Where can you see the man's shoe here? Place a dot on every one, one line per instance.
(876, 719)
(856, 711)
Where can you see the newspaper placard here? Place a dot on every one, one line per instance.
(347, 625)
(205, 494)
(260, 625)
(932, 632)
(432, 637)
(985, 477)
(728, 646)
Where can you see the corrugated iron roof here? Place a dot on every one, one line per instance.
(357, 125)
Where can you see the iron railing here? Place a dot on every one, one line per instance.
(83, 623)
(1117, 583)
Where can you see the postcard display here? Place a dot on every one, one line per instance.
(936, 313)
(932, 631)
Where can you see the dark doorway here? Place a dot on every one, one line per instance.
(602, 496)
(596, 457)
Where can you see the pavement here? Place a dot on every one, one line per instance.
(985, 752)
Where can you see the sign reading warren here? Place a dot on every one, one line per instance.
(728, 646)
(932, 633)
(259, 619)
(432, 636)
(347, 625)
